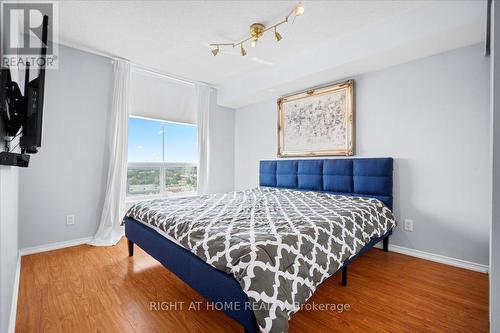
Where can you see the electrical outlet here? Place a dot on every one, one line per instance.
(408, 225)
(70, 219)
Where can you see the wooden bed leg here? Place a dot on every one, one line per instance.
(130, 248)
(344, 276)
(386, 244)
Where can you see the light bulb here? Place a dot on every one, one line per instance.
(299, 10)
(253, 43)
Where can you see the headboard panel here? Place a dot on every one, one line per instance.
(364, 177)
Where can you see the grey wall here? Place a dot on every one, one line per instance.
(68, 174)
(432, 116)
(495, 169)
(9, 247)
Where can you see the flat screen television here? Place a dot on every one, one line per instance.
(22, 115)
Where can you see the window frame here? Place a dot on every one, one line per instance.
(162, 166)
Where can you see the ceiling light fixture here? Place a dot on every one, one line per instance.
(257, 30)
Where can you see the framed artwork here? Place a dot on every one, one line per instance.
(318, 122)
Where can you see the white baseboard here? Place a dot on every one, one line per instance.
(438, 258)
(15, 293)
(55, 246)
(394, 248)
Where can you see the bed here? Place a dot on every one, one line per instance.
(348, 204)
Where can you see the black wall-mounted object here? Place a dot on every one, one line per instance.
(22, 115)
(14, 159)
(487, 44)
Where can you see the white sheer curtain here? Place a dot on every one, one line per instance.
(203, 94)
(110, 231)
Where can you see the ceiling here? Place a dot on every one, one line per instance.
(173, 36)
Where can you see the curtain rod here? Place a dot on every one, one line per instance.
(136, 65)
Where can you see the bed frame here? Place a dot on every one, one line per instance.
(364, 177)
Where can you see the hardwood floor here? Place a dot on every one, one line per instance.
(99, 289)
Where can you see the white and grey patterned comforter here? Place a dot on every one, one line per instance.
(279, 244)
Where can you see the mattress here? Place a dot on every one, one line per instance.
(279, 244)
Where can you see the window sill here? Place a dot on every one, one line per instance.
(132, 200)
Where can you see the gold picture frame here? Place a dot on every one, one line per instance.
(317, 122)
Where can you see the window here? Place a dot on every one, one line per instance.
(162, 158)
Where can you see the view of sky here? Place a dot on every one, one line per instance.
(145, 141)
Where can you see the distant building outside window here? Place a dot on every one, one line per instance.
(162, 158)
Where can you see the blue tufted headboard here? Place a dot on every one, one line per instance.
(364, 177)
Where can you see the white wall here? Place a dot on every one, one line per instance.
(495, 175)
(9, 246)
(221, 155)
(9, 226)
(432, 116)
(68, 174)
(435, 27)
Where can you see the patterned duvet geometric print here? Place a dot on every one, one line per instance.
(279, 244)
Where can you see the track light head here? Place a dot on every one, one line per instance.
(215, 51)
(243, 52)
(254, 43)
(299, 10)
(277, 35)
